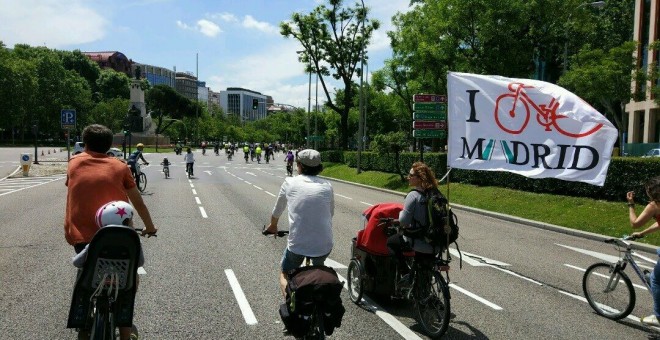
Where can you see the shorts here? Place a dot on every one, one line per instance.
(291, 261)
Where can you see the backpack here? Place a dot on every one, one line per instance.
(440, 216)
(308, 286)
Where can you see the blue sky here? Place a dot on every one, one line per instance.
(238, 41)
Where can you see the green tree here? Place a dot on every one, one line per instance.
(603, 78)
(112, 84)
(333, 38)
(111, 113)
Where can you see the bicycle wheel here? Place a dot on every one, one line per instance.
(167, 172)
(432, 303)
(511, 114)
(355, 287)
(143, 182)
(608, 291)
(102, 328)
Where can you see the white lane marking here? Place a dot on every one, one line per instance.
(365, 203)
(269, 193)
(643, 257)
(192, 185)
(369, 304)
(243, 303)
(252, 174)
(201, 209)
(476, 297)
(601, 275)
(31, 185)
(608, 308)
(208, 172)
(141, 271)
(240, 179)
(484, 260)
(257, 187)
(334, 264)
(342, 196)
(247, 182)
(197, 200)
(194, 192)
(604, 257)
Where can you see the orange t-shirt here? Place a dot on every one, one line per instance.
(93, 179)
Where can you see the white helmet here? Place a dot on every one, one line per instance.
(115, 212)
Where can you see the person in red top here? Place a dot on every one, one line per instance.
(94, 179)
(650, 212)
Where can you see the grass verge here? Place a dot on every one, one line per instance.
(600, 217)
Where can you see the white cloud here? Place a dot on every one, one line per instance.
(182, 25)
(250, 22)
(224, 16)
(208, 28)
(50, 22)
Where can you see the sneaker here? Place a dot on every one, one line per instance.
(650, 320)
(285, 331)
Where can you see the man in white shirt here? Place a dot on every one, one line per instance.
(311, 205)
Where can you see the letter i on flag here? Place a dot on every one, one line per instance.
(528, 127)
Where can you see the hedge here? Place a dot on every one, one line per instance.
(624, 174)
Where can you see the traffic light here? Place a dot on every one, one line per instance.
(255, 104)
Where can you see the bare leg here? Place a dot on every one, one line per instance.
(283, 283)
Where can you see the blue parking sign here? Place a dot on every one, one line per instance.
(68, 118)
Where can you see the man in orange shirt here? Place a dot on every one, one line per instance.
(94, 179)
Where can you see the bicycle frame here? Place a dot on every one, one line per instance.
(627, 258)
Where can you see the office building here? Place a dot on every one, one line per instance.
(238, 101)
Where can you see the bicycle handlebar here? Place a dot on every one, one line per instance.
(148, 235)
(279, 233)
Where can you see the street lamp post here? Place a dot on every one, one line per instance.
(360, 117)
(316, 115)
(309, 104)
(596, 4)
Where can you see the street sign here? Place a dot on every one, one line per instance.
(429, 133)
(68, 118)
(429, 125)
(429, 116)
(430, 107)
(429, 98)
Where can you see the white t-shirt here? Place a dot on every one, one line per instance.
(189, 158)
(311, 205)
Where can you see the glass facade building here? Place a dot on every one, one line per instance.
(238, 101)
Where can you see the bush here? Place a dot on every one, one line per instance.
(624, 174)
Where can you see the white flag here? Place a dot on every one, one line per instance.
(528, 127)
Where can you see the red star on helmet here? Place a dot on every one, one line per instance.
(121, 212)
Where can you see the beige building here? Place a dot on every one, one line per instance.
(186, 85)
(644, 116)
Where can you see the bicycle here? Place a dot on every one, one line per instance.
(316, 319)
(166, 170)
(104, 293)
(289, 169)
(140, 177)
(601, 280)
(546, 114)
(189, 169)
(424, 284)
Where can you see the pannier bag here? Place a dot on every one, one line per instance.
(309, 286)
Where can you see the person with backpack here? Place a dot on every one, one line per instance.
(414, 216)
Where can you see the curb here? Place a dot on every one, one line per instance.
(536, 224)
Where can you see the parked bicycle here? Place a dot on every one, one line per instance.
(424, 285)
(606, 286)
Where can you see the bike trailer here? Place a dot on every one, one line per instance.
(309, 287)
(112, 262)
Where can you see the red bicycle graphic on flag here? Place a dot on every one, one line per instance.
(512, 113)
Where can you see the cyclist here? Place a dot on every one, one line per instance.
(413, 216)
(289, 163)
(132, 160)
(165, 163)
(257, 150)
(189, 158)
(246, 152)
(311, 205)
(651, 211)
(204, 148)
(216, 149)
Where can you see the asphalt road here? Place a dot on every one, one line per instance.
(516, 282)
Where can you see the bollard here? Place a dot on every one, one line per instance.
(26, 160)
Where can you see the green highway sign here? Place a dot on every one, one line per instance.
(429, 115)
(433, 107)
(429, 133)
